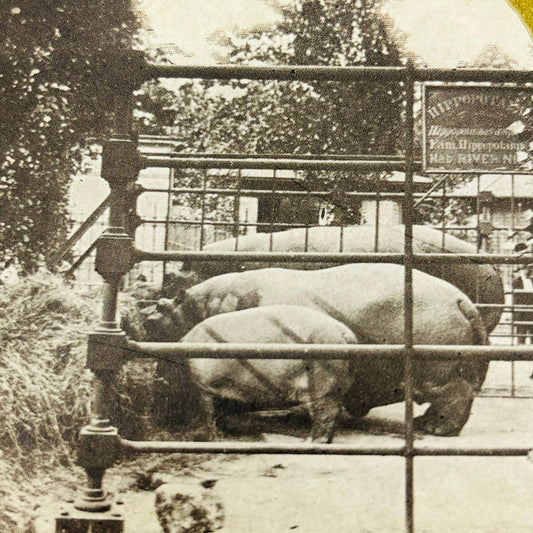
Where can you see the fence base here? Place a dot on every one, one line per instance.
(71, 520)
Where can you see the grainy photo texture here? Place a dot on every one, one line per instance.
(266, 266)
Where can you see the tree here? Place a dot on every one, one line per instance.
(311, 117)
(323, 116)
(52, 98)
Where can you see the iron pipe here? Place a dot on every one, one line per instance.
(281, 73)
(264, 192)
(320, 257)
(259, 448)
(421, 352)
(320, 157)
(273, 163)
(333, 73)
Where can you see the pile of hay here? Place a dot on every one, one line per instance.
(45, 387)
(43, 383)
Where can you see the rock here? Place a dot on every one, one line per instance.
(159, 479)
(188, 508)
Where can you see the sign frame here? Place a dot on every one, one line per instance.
(432, 169)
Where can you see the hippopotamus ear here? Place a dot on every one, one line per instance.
(181, 296)
(229, 304)
(175, 282)
(247, 300)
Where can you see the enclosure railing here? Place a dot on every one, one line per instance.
(109, 348)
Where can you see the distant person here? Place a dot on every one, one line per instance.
(523, 284)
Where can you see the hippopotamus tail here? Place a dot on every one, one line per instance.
(474, 371)
(479, 330)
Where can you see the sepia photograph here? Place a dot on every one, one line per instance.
(266, 266)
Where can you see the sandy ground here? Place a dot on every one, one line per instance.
(319, 494)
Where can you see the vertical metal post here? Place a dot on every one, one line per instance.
(444, 201)
(273, 191)
(378, 203)
(171, 174)
(155, 234)
(237, 210)
(202, 219)
(478, 213)
(408, 297)
(117, 209)
(98, 441)
(513, 225)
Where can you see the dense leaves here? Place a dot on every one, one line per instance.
(269, 117)
(51, 99)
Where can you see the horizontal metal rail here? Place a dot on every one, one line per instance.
(265, 192)
(319, 157)
(484, 306)
(210, 222)
(322, 257)
(331, 73)
(507, 307)
(310, 449)
(180, 350)
(281, 73)
(274, 164)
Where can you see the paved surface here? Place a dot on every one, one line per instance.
(271, 494)
(266, 494)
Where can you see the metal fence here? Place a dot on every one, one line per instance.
(109, 348)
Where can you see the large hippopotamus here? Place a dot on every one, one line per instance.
(481, 283)
(319, 386)
(369, 299)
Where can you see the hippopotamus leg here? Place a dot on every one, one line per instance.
(325, 413)
(326, 391)
(449, 410)
(208, 413)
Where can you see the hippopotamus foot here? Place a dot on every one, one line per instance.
(207, 410)
(356, 410)
(449, 410)
(325, 414)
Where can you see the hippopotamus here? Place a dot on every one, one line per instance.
(369, 300)
(319, 386)
(481, 283)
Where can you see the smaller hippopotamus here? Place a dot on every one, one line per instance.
(317, 385)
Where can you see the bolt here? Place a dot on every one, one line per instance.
(117, 515)
(64, 513)
(119, 502)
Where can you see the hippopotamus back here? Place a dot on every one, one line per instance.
(481, 283)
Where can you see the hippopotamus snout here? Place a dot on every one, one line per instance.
(158, 321)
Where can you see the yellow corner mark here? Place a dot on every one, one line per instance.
(525, 9)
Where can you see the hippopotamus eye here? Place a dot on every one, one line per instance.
(180, 297)
(164, 304)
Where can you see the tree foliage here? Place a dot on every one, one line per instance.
(51, 99)
(270, 117)
(318, 117)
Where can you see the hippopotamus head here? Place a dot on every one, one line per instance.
(171, 319)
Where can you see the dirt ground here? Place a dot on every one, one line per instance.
(319, 494)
